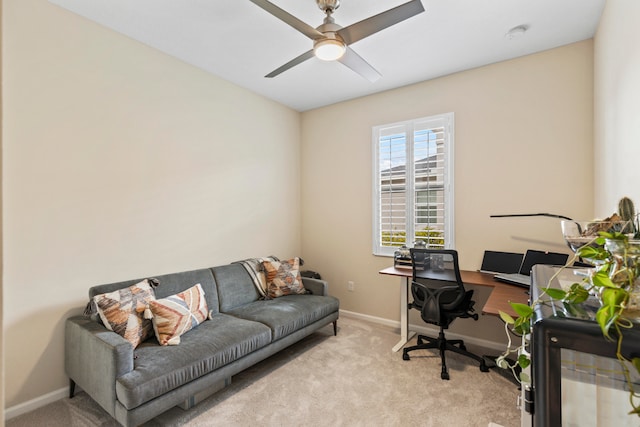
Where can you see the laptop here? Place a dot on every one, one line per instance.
(501, 262)
(531, 258)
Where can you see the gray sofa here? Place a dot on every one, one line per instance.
(134, 386)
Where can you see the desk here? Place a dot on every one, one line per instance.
(501, 295)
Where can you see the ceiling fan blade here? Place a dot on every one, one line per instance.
(354, 61)
(298, 60)
(365, 28)
(288, 18)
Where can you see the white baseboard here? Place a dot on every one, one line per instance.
(423, 329)
(36, 403)
(372, 319)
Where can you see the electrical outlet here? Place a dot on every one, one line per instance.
(351, 286)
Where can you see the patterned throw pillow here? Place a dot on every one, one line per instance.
(283, 278)
(177, 314)
(122, 311)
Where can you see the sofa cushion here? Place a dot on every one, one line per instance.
(283, 278)
(235, 286)
(170, 284)
(213, 344)
(178, 314)
(122, 311)
(288, 314)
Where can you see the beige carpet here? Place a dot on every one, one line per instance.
(353, 379)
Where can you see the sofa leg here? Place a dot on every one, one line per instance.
(335, 328)
(72, 388)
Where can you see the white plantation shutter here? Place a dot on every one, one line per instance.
(413, 184)
(392, 150)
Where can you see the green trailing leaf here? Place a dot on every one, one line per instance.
(524, 378)
(576, 310)
(524, 361)
(636, 363)
(506, 318)
(555, 293)
(602, 317)
(587, 252)
(614, 235)
(522, 309)
(602, 280)
(605, 317)
(577, 294)
(591, 252)
(613, 297)
(522, 326)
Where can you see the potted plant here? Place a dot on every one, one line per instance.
(614, 280)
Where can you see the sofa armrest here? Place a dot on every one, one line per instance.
(316, 286)
(94, 358)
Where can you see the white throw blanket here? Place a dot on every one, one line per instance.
(256, 271)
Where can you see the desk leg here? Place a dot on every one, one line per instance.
(405, 333)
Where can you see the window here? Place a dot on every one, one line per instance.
(413, 184)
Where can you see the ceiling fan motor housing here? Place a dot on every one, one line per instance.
(329, 28)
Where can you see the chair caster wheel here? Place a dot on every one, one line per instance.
(420, 342)
(444, 375)
(463, 347)
(484, 368)
(405, 356)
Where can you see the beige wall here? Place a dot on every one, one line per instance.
(617, 105)
(1, 257)
(122, 162)
(535, 111)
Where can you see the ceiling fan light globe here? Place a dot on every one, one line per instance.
(328, 5)
(329, 49)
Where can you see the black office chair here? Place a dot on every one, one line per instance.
(439, 294)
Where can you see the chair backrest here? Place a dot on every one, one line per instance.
(436, 284)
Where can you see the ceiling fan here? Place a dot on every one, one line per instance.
(331, 41)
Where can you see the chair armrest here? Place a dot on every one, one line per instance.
(316, 286)
(94, 358)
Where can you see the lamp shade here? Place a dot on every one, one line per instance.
(329, 49)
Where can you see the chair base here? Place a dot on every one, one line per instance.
(441, 343)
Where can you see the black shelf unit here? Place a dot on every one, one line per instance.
(556, 327)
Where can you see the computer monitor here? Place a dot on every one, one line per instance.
(501, 262)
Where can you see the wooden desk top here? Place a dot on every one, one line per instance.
(501, 295)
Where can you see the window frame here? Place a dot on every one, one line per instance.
(411, 126)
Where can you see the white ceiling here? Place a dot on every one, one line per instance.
(240, 42)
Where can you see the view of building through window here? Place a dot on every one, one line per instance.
(411, 183)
